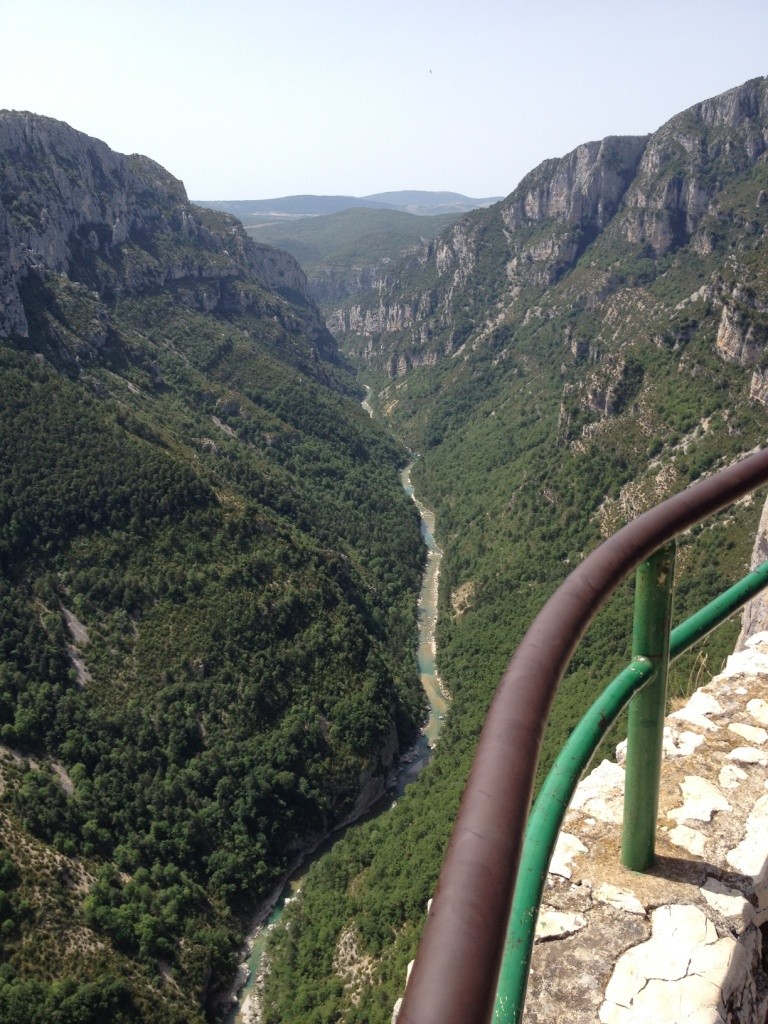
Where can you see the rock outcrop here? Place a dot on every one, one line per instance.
(646, 197)
(684, 941)
(122, 225)
(574, 199)
(687, 162)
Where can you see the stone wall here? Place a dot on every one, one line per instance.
(683, 942)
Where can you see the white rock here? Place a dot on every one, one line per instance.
(728, 902)
(696, 710)
(610, 1013)
(756, 639)
(601, 793)
(619, 898)
(730, 776)
(749, 857)
(749, 662)
(554, 924)
(626, 981)
(664, 1003)
(689, 839)
(677, 930)
(706, 1016)
(681, 744)
(714, 961)
(675, 976)
(701, 800)
(758, 708)
(750, 733)
(566, 848)
(682, 925)
(748, 755)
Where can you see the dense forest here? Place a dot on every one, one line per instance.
(208, 572)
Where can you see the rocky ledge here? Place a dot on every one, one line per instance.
(683, 942)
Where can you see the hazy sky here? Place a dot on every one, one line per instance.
(250, 99)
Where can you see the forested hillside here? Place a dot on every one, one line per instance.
(561, 362)
(345, 253)
(207, 581)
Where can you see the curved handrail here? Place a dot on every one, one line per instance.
(454, 978)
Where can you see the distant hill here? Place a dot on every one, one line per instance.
(431, 203)
(345, 253)
(416, 202)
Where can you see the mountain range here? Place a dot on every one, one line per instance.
(420, 203)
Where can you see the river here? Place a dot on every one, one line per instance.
(245, 1010)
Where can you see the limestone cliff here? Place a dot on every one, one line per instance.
(687, 162)
(573, 199)
(122, 225)
(597, 217)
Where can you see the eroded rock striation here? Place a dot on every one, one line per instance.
(73, 212)
(644, 197)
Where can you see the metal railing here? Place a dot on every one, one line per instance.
(455, 975)
(641, 685)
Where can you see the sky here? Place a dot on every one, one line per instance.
(255, 99)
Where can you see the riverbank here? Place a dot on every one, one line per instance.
(428, 600)
(245, 989)
(248, 983)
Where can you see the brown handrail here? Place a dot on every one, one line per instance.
(454, 978)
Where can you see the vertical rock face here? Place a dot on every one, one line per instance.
(642, 197)
(57, 184)
(736, 340)
(121, 225)
(754, 617)
(687, 162)
(743, 330)
(580, 194)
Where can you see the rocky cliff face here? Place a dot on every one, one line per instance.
(573, 199)
(641, 198)
(686, 164)
(122, 225)
(334, 284)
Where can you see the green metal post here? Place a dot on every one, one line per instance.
(650, 639)
(544, 823)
